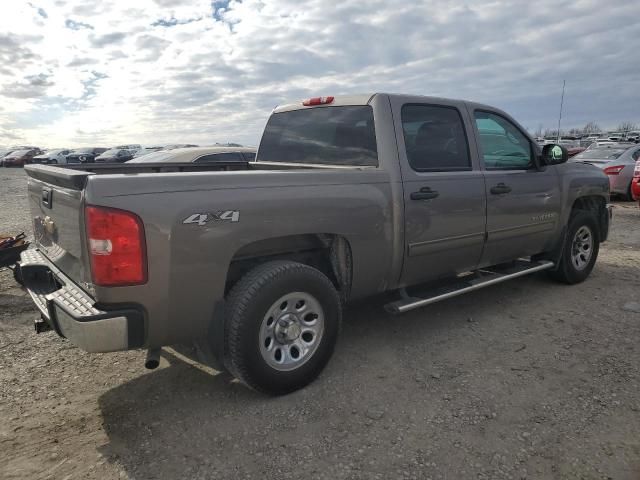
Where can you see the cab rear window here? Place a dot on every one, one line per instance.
(322, 135)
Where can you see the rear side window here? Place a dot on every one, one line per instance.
(322, 135)
(434, 138)
(503, 145)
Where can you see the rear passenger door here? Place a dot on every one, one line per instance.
(444, 193)
(523, 200)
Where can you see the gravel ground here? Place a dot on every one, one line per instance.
(528, 379)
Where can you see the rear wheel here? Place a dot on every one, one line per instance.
(282, 324)
(580, 250)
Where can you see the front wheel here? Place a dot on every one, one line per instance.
(282, 324)
(580, 250)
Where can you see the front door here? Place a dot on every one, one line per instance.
(523, 200)
(444, 192)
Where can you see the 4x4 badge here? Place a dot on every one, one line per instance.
(204, 218)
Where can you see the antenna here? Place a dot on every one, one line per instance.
(561, 103)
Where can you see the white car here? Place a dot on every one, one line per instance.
(52, 157)
(615, 136)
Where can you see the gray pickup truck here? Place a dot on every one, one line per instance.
(252, 262)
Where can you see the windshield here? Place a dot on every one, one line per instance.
(111, 152)
(324, 135)
(83, 150)
(601, 153)
(19, 153)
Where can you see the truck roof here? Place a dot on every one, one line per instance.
(361, 99)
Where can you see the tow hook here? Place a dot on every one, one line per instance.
(153, 358)
(41, 325)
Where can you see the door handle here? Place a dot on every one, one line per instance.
(500, 188)
(425, 193)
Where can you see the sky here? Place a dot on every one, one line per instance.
(105, 72)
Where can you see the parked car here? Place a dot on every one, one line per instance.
(617, 161)
(348, 197)
(133, 148)
(20, 158)
(199, 155)
(57, 156)
(3, 153)
(573, 151)
(173, 146)
(615, 136)
(633, 136)
(114, 155)
(147, 150)
(635, 183)
(84, 155)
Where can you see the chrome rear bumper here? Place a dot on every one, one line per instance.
(73, 313)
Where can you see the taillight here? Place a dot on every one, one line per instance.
(116, 245)
(317, 101)
(613, 170)
(636, 171)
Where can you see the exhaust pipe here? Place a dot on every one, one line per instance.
(153, 358)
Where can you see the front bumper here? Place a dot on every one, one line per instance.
(619, 184)
(74, 314)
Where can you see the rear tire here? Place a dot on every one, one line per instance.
(580, 249)
(282, 324)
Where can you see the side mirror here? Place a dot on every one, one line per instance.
(553, 154)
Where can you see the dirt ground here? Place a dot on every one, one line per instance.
(528, 379)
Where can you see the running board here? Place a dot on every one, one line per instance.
(468, 283)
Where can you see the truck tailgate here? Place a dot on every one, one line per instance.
(56, 204)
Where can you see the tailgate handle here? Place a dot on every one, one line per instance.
(47, 197)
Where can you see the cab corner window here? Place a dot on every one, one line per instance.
(434, 138)
(503, 146)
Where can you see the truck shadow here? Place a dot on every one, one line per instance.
(182, 422)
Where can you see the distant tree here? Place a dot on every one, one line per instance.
(575, 131)
(538, 132)
(591, 127)
(627, 127)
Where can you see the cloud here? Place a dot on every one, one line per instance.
(107, 39)
(207, 71)
(31, 87)
(73, 25)
(151, 47)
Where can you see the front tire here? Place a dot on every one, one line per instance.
(580, 249)
(282, 324)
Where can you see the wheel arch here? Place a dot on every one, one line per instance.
(597, 205)
(328, 252)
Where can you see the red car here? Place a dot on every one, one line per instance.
(635, 183)
(20, 158)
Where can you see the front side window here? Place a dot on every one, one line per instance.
(321, 135)
(434, 138)
(502, 144)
